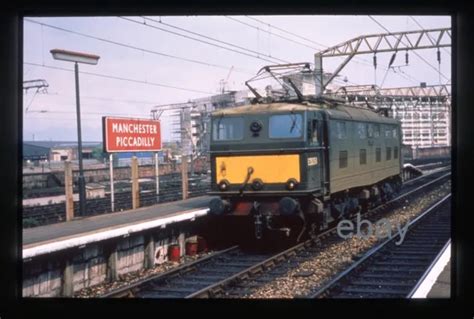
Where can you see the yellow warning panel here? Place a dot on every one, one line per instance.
(269, 168)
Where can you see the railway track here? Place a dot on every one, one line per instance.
(190, 278)
(224, 273)
(390, 270)
(244, 287)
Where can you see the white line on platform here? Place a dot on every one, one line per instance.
(425, 287)
(102, 235)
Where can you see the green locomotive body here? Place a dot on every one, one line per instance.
(301, 163)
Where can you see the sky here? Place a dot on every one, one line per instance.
(144, 65)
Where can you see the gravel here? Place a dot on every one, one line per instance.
(332, 258)
(129, 278)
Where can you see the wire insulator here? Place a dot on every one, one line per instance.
(439, 56)
(392, 59)
(375, 61)
(406, 58)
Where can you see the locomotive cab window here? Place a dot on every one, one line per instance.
(286, 126)
(228, 129)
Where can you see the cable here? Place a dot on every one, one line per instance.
(271, 33)
(213, 39)
(129, 46)
(416, 81)
(414, 52)
(445, 50)
(29, 104)
(42, 44)
(119, 78)
(105, 99)
(355, 59)
(85, 112)
(198, 40)
(282, 30)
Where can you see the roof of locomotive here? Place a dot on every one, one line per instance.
(339, 111)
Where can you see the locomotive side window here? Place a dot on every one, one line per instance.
(378, 154)
(370, 130)
(342, 159)
(228, 129)
(389, 153)
(394, 131)
(341, 129)
(395, 152)
(388, 131)
(363, 157)
(362, 130)
(286, 126)
(314, 132)
(376, 130)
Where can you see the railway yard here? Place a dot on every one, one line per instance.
(128, 257)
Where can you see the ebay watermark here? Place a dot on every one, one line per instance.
(381, 229)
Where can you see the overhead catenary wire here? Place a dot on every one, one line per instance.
(272, 33)
(55, 111)
(285, 31)
(133, 47)
(136, 48)
(414, 52)
(198, 40)
(422, 28)
(362, 61)
(120, 78)
(104, 98)
(355, 59)
(213, 39)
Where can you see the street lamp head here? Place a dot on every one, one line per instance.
(72, 56)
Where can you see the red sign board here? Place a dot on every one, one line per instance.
(130, 135)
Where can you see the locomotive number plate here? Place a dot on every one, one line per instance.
(312, 161)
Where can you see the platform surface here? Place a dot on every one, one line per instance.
(49, 233)
(442, 286)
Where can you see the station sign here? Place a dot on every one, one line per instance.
(130, 135)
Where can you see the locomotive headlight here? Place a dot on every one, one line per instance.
(224, 185)
(257, 184)
(291, 184)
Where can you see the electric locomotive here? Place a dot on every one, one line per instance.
(295, 167)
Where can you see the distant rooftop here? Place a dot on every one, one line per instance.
(53, 144)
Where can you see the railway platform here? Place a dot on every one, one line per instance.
(54, 237)
(442, 286)
(436, 283)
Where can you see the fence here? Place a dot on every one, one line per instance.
(44, 194)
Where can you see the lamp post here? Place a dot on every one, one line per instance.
(78, 57)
